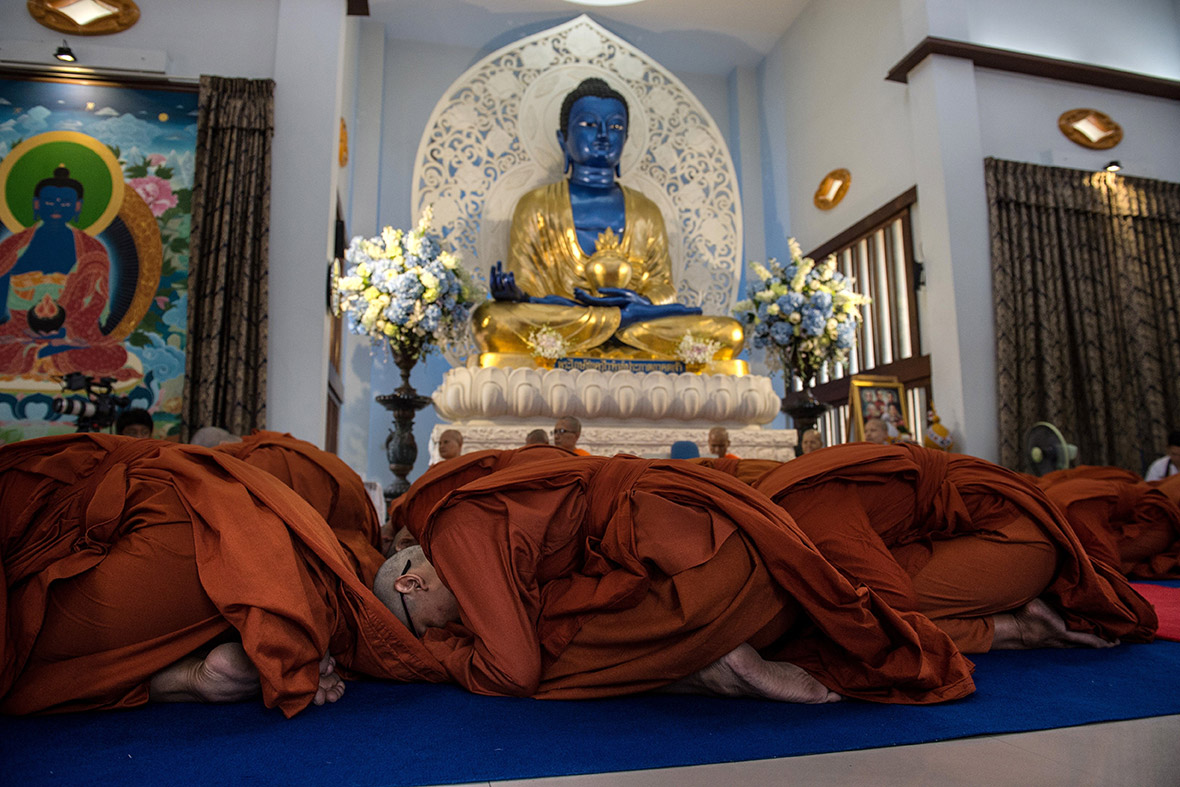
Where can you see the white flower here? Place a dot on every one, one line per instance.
(696, 349)
(796, 252)
(545, 342)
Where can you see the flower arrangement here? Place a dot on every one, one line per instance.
(403, 288)
(803, 313)
(547, 344)
(695, 349)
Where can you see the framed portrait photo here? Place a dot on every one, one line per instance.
(872, 397)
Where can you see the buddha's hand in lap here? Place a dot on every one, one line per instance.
(632, 306)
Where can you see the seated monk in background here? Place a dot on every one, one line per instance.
(1119, 518)
(141, 570)
(974, 546)
(589, 257)
(596, 576)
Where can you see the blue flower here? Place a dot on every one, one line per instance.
(813, 322)
(822, 301)
(845, 334)
(782, 333)
(791, 302)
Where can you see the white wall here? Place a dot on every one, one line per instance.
(1018, 117)
(827, 105)
(219, 37)
(1129, 35)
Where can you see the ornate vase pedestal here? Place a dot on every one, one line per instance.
(805, 411)
(400, 447)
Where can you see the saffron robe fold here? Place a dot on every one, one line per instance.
(1129, 524)
(596, 576)
(97, 514)
(325, 481)
(745, 470)
(875, 511)
(411, 509)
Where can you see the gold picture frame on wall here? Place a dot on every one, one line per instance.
(832, 189)
(877, 396)
(85, 17)
(1090, 128)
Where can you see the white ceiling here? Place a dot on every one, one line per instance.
(696, 36)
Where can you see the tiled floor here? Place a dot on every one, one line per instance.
(1139, 753)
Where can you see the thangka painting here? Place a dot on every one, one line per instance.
(95, 204)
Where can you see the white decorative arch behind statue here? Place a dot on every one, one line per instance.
(491, 138)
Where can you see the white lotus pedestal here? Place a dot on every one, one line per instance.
(621, 411)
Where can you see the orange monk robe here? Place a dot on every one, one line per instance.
(1091, 472)
(1170, 486)
(891, 515)
(1135, 526)
(122, 556)
(745, 470)
(411, 509)
(591, 577)
(332, 488)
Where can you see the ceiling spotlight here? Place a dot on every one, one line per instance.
(1113, 166)
(64, 53)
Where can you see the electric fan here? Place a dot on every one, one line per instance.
(1046, 450)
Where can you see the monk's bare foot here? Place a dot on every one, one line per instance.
(225, 674)
(1037, 625)
(331, 686)
(743, 673)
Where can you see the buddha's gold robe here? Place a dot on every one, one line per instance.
(546, 259)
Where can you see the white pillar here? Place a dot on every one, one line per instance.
(307, 117)
(953, 241)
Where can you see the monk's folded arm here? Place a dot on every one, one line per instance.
(499, 604)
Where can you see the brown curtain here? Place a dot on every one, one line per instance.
(225, 366)
(1086, 284)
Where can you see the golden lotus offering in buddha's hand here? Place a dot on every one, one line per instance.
(588, 259)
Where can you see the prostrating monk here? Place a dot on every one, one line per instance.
(325, 481)
(595, 576)
(976, 547)
(1130, 524)
(140, 570)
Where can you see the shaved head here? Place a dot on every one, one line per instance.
(213, 436)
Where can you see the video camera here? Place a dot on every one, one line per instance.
(98, 409)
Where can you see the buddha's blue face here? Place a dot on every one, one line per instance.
(597, 131)
(57, 204)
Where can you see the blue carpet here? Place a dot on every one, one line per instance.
(386, 734)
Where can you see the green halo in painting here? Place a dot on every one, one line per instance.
(90, 162)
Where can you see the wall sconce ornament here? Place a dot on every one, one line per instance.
(832, 189)
(85, 17)
(1090, 128)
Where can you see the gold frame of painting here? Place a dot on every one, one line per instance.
(858, 384)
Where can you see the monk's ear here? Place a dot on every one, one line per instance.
(408, 583)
